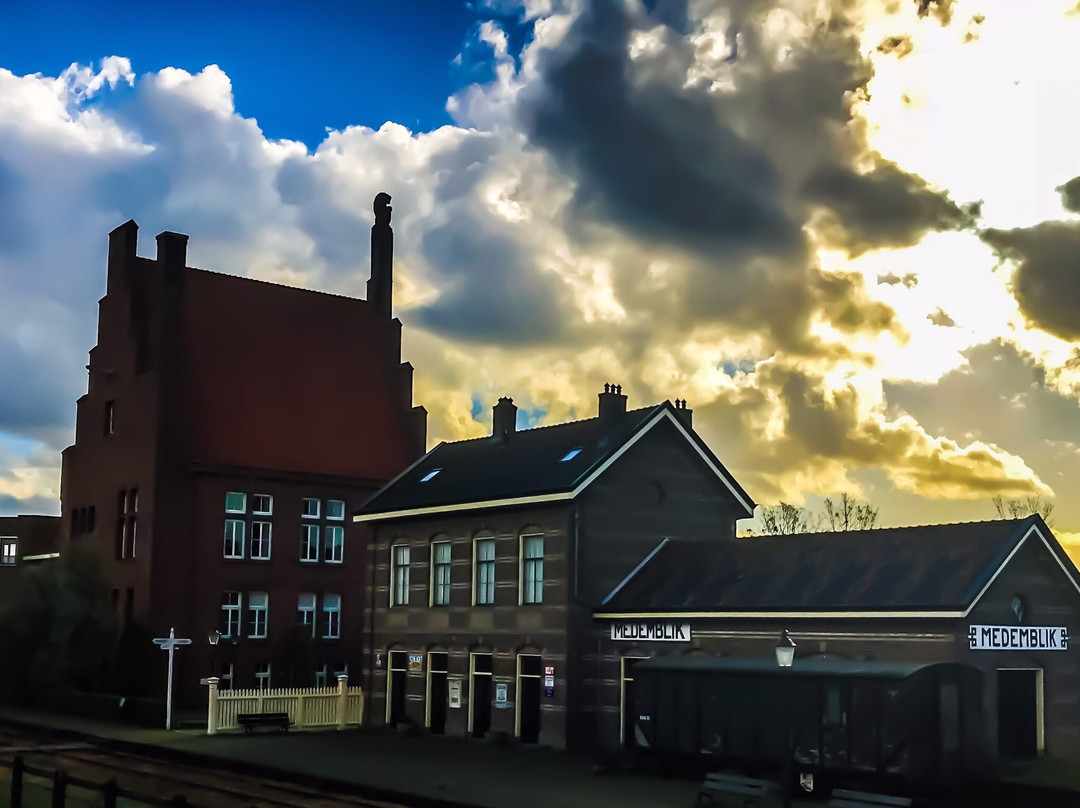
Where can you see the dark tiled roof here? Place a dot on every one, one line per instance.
(528, 463)
(931, 568)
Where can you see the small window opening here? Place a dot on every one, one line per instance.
(571, 454)
(429, 475)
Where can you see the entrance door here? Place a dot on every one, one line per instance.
(436, 695)
(395, 687)
(528, 697)
(627, 721)
(1019, 713)
(480, 670)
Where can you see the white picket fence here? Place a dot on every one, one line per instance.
(339, 706)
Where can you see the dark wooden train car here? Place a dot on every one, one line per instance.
(845, 722)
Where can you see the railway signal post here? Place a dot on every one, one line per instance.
(169, 644)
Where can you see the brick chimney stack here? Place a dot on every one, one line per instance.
(504, 418)
(612, 403)
(685, 415)
(380, 287)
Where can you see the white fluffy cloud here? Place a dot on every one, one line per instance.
(686, 202)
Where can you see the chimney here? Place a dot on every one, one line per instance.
(685, 415)
(612, 403)
(504, 418)
(123, 241)
(381, 285)
(172, 251)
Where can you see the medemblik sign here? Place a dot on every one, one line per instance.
(653, 631)
(1018, 638)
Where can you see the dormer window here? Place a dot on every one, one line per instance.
(571, 454)
(429, 475)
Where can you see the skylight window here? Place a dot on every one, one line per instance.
(429, 475)
(571, 454)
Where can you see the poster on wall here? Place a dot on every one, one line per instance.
(453, 692)
(1018, 638)
(549, 681)
(500, 695)
(416, 662)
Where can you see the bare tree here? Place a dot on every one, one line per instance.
(786, 519)
(1019, 508)
(849, 514)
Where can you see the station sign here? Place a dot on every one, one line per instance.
(1018, 638)
(650, 631)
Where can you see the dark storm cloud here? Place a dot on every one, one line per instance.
(490, 290)
(652, 158)
(885, 207)
(15, 227)
(37, 505)
(38, 388)
(899, 45)
(1046, 283)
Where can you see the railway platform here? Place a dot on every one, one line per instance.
(399, 768)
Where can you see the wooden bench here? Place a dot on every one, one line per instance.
(249, 721)
(748, 790)
(842, 798)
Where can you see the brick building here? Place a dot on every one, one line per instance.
(26, 539)
(491, 554)
(228, 427)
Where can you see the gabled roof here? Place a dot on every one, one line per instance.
(929, 571)
(528, 466)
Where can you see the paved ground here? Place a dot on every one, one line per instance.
(452, 769)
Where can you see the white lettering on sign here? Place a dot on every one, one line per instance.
(1018, 638)
(651, 631)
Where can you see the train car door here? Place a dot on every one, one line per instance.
(628, 718)
(1020, 713)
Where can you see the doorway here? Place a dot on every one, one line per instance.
(395, 687)
(437, 691)
(480, 670)
(529, 671)
(627, 733)
(1020, 713)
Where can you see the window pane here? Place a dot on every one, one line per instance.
(234, 538)
(534, 547)
(309, 543)
(262, 504)
(485, 550)
(235, 502)
(335, 543)
(310, 508)
(335, 509)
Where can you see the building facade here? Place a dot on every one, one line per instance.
(26, 539)
(491, 554)
(228, 428)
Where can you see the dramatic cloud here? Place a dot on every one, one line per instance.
(940, 318)
(1046, 283)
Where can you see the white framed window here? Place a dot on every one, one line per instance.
(484, 572)
(440, 573)
(340, 669)
(230, 613)
(225, 678)
(262, 676)
(335, 509)
(310, 508)
(234, 538)
(305, 610)
(10, 552)
(309, 542)
(320, 676)
(532, 568)
(258, 609)
(331, 606)
(235, 502)
(334, 544)
(262, 504)
(399, 575)
(260, 540)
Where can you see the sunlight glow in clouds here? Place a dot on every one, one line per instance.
(775, 230)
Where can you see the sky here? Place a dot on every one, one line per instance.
(847, 233)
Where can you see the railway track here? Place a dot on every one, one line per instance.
(203, 787)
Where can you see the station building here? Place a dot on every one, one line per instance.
(517, 579)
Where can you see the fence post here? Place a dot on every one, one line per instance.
(301, 710)
(342, 694)
(212, 707)
(16, 781)
(59, 788)
(110, 791)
